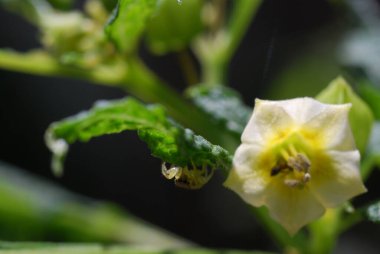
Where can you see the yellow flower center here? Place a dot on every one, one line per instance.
(294, 167)
(288, 160)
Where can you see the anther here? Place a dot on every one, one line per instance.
(300, 163)
(293, 183)
(306, 177)
(296, 168)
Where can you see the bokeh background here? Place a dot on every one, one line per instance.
(292, 49)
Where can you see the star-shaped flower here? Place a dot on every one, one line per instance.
(297, 158)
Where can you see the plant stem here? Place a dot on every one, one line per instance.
(40, 63)
(93, 248)
(241, 17)
(216, 49)
(323, 232)
(133, 77)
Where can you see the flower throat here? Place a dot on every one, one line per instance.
(294, 166)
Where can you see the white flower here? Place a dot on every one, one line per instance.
(297, 157)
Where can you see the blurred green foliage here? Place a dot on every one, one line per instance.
(174, 25)
(128, 21)
(34, 210)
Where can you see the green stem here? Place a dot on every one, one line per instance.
(241, 17)
(132, 76)
(323, 232)
(215, 50)
(93, 248)
(40, 63)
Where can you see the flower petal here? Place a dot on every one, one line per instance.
(293, 208)
(268, 119)
(333, 128)
(245, 178)
(339, 181)
(301, 109)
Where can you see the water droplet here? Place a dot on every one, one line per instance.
(179, 2)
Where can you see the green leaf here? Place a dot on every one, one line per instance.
(223, 105)
(174, 25)
(109, 4)
(128, 22)
(62, 4)
(95, 248)
(33, 209)
(360, 116)
(32, 10)
(167, 140)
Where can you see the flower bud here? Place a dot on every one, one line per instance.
(360, 116)
(174, 25)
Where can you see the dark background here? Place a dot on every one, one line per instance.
(119, 168)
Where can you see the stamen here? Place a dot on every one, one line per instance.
(293, 183)
(285, 154)
(306, 177)
(293, 150)
(295, 168)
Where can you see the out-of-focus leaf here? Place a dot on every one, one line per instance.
(32, 209)
(174, 25)
(360, 116)
(72, 248)
(109, 4)
(61, 4)
(128, 22)
(369, 212)
(167, 140)
(223, 105)
(32, 10)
